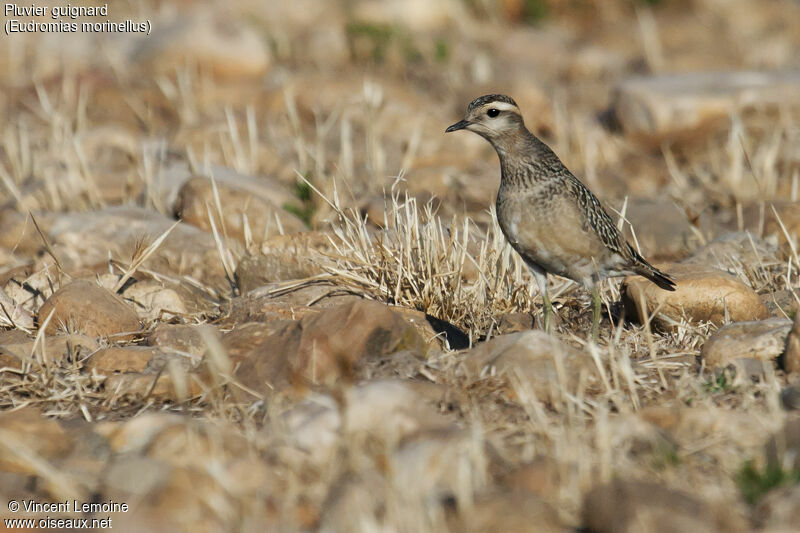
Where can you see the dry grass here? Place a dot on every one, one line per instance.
(457, 268)
(452, 271)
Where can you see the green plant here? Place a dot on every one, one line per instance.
(534, 11)
(378, 35)
(719, 384)
(754, 483)
(441, 50)
(304, 211)
(380, 38)
(663, 457)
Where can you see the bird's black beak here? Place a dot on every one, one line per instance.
(458, 126)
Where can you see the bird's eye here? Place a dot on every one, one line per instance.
(493, 112)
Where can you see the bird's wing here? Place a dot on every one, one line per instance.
(597, 220)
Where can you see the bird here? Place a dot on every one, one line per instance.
(555, 223)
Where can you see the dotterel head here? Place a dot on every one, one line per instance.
(491, 116)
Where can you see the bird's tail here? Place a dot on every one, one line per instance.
(665, 281)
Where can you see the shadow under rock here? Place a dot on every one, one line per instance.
(456, 339)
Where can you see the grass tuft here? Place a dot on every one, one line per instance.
(455, 271)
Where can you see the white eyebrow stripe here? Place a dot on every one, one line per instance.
(503, 106)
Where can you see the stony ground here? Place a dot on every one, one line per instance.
(248, 284)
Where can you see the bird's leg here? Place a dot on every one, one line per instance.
(596, 305)
(547, 307)
(547, 311)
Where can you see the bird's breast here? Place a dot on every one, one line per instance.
(548, 230)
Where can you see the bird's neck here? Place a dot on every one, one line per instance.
(519, 153)
(510, 143)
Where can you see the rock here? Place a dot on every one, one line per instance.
(89, 456)
(145, 372)
(153, 301)
(300, 16)
(435, 331)
(791, 359)
(357, 503)
(83, 306)
(629, 506)
(85, 239)
(215, 42)
(9, 261)
(314, 427)
(763, 340)
(322, 348)
(166, 438)
(53, 350)
(150, 465)
(286, 302)
(388, 410)
(554, 45)
(417, 15)
(29, 286)
(669, 107)
(110, 151)
(790, 396)
(75, 55)
(19, 234)
(780, 509)
(780, 303)
(685, 425)
(703, 295)
(761, 219)
(15, 485)
(734, 251)
(534, 98)
(317, 32)
(327, 46)
(133, 474)
(175, 498)
(395, 410)
(265, 218)
(634, 435)
(243, 341)
(663, 230)
(513, 512)
(540, 476)
(285, 257)
(28, 437)
(168, 182)
(120, 359)
(180, 339)
(515, 322)
(448, 182)
(13, 314)
(14, 336)
(136, 436)
(405, 364)
(108, 156)
(782, 450)
(156, 385)
(591, 62)
(544, 365)
(174, 175)
(439, 466)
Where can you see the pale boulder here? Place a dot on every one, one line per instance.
(702, 294)
(762, 340)
(534, 362)
(240, 208)
(85, 307)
